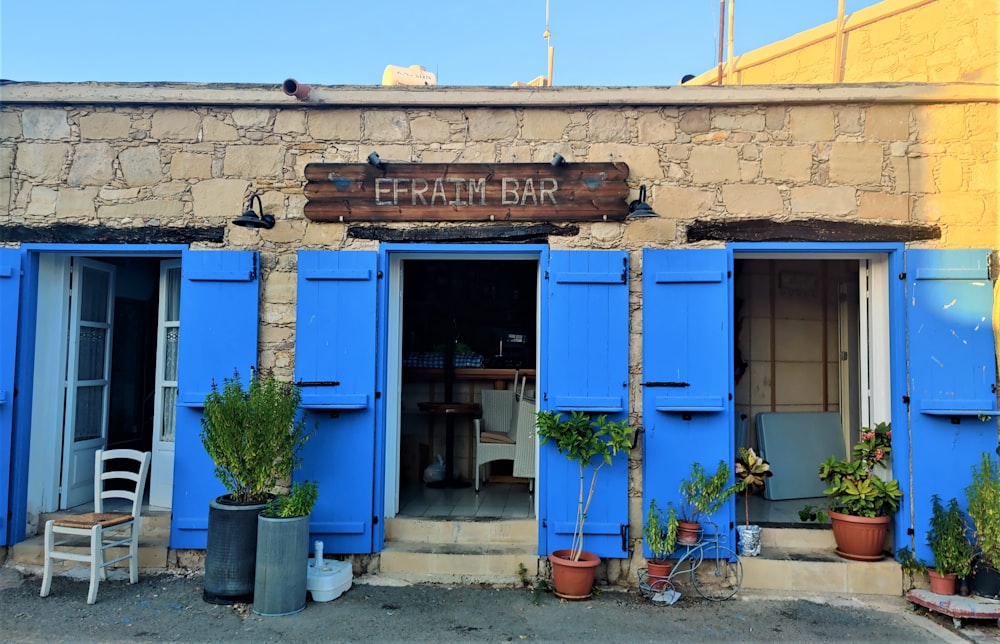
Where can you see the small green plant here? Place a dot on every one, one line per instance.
(660, 530)
(584, 440)
(538, 585)
(298, 502)
(751, 471)
(983, 495)
(853, 486)
(702, 494)
(254, 435)
(948, 538)
(909, 562)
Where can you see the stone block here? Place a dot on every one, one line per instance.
(105, 125)
(427, 129)
(608, 125)
(335, 125)
(290, 122)
(694, 120)
(251, 117)
(752, 199)
(43, 201)
(42, 162)
(953, 208)
(811, 123)
(214, 129)
(656, 128)
(254, 161)
(920, 172)
(787, 163)
(881, 205)
(492, 125)
(643, 161)
(824, 201)
(92, 165)
(651, 231)
(544, 125)
(714, 164)
(887, 123)
(10, 126)
(219, 199)
(44, 124)
(76, 203)
(385, 125)
(856, 163)
(185, 165)
(6, 161)
(940, 123)
(141, 165)
(675, 202)
(149, 210)
(175, 125)
(950, 174)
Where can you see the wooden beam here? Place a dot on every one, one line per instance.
(101, 234)
(820, 230)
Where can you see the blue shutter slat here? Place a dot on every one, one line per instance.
(219, 299)
(687, 341)
(951, 357)
(586, 366)
(335, 348)
(10, 289)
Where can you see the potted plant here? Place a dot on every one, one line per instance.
(283, 551)
(948, 538)
(591, 444)
(253, 435)
(660, 533)
(702, 496)
(983, 495)
(751, 472)
(861, 501)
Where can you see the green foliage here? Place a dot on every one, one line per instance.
(660, 530)
(948, 538)
(909, 562)
(254, 435)
(984, 508)
(751, 472)
(853, 486)
(298, 502)
(538, 585)
(583, 440)
(702, 494)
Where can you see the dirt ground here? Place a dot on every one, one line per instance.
(169, 608)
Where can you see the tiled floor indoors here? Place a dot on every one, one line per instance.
(494, 501)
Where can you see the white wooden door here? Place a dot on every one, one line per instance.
(164, 411)
(88, 370)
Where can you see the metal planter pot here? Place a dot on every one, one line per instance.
(282, 566)
(231, 551)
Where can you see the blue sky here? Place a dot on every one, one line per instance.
(341, 42)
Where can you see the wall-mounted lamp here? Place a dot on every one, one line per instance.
(558, 160)
(250, 218)
(375, 161)
(639, 208)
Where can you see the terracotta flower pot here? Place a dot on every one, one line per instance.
(942, 584)
(659, 571)
(859, 538)
(573, 579)
(688, 532)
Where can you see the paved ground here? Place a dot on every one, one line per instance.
(168, 608)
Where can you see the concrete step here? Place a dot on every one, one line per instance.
(813, 538)
(820, 570)
(459, 552)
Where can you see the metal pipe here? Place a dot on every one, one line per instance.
(732, 20)
(838, 55)
(722, 37)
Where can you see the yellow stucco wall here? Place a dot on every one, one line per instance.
(893, 41)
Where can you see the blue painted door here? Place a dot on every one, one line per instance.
(586, 369)
(10, 289)
(335, 353)
(687, 369)
(952, 377)
(220, 293)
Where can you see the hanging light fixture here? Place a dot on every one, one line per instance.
(559, 161)
(251, 219)
(639, 209)
(374, 160)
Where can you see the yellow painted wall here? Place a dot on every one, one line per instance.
(893, 41)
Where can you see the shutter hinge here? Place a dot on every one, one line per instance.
(378, 394)
(623, 528)
(545, 523)
(253, 268)
(902, 276)
(730, 395)
(624, 270)
(906, 400)
(378, 274)
(729, 274)
(546, 274)
(374, 519)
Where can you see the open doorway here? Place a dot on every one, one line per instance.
(812, 368)
(466, 324)
(107, 331)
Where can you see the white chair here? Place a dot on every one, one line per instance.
(494, 441)
(524, 455)
(105, 529)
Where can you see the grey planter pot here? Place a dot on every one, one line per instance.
(282, 566)
(230, 551)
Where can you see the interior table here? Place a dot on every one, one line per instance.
(450, 410)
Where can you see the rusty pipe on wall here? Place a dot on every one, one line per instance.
(293, 88)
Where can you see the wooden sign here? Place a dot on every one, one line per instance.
(466, 192)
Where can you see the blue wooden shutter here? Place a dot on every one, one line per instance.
(10, 289)
(220, 294)
(687, 369)
(335, 352)
(952, 376)
(586, 366)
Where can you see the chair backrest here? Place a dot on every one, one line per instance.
(127, 483)
(524, 429)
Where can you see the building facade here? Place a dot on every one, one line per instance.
(828, 250)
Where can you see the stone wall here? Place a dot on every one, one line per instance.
(124, 164)
(926, 41)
